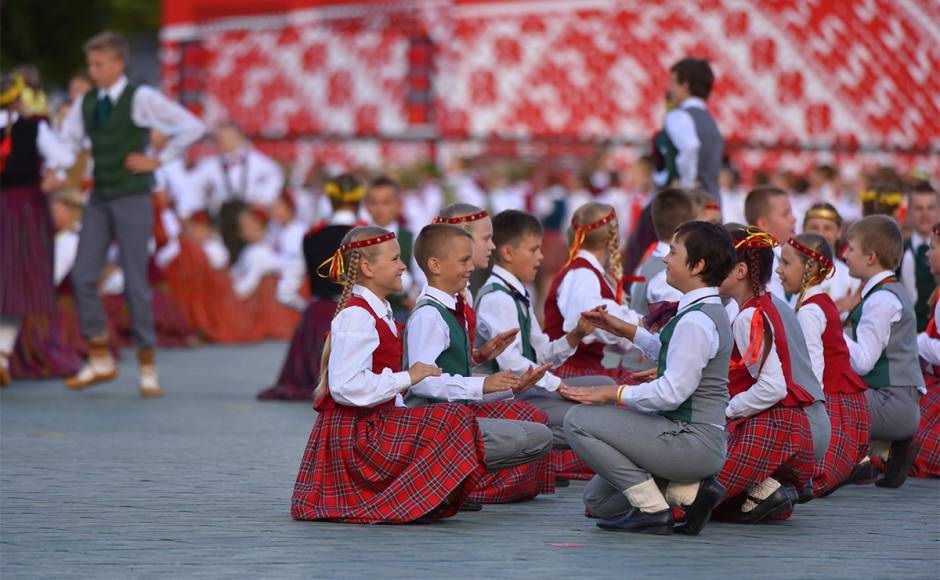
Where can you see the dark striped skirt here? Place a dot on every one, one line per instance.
(26, 250)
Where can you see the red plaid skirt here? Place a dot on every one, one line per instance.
(391, 465)
(851, 426)
(567, 371)
(776, 443)
(522, 482)
(927, 462)
(567, 464)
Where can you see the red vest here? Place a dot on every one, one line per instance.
(838, 376)
(386, 356)
(588, 355)
(740, 379)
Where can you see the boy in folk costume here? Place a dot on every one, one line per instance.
(768, 209)
(670, 208)
(591, 278)
(923, 210)
(437, 333)
(117, 118)
(671, 428)
(882, 341)
(770, 448)
(370, 459)
(300, 371)
(927, 462)
(805, 262)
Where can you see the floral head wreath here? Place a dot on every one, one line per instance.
(887, 198)
(354, 195)
(756, 239)
(462, 219)
(581, 232)
(827, 268)
(337, 266)
(12, 93)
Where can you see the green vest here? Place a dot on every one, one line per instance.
(525, 324)
(684, 412)
(111, 142)
(456, 359)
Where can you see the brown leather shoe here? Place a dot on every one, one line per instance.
(100, 367)
(5, 378)
(149, 381)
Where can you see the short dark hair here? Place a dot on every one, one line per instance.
(879, 234)
(511, 226)
(384, 181)
(670, 208)
(757, 202)
(698, 73)
(433, 241)
(711, 243)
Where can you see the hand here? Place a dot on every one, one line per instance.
(494, 346)
(141, 163)
(531, 377)
(420, 371)
(51, 183)
(602, 319)
(847, 303)
(501, 381)
(590, 395)
(584, 328)
(644, 376)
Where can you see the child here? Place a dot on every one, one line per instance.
(927, 462)
(805, 262)
(770, 449)
(823, 219)
(584, 284)
(437, 332)
(768, 209)
(882, 343)
(369, 459)
(673, 427)
(923, 210)
(670, 209)
(285, 232)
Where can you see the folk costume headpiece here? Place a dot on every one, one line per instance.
(337, 266)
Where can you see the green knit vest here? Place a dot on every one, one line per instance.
(456, 359)
(111, 142)
(684, 411)
(522, 316)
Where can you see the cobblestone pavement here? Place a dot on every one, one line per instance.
(102, 484)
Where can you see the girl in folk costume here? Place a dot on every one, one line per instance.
(300, 371)
(369, 459)
(770, 447)
(805, 262)
(26, 231)
(823, 219)
(592, 277)
(927, 461)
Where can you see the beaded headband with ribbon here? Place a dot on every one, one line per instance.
(825, 263)
(462, 219)
(333, 191)
(889, 198)
(12, 93)
(336, 262)
(580, 232)
(757, 239)
(824, 213)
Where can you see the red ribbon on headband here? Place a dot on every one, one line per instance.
(461, 220)
(825, 262)
(580, 232)
(337, 265)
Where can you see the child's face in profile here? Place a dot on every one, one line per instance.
(383, 272)
(678, 273)
(859, 262)
(482, 232)
(526, 258)
(790, 270)
(456, 265)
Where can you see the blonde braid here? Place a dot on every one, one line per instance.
(349, 279)
(614, 264)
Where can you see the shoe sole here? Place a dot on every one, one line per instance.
(655, 530)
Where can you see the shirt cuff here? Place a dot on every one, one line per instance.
(402, 380)
(647, 342)
(550, 382)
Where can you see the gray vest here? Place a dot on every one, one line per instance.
(710, 152)
(800, 364)
(648, 270)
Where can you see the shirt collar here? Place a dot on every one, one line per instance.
(916, 241)
(448, 300)
(708, 295)
(343, 217)
(115, 91)
(592, 259)
(510, 278)
(812, 291)
(379, 305)
(875, 280)
(693, 102)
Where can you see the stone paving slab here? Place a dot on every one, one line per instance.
(102, 484)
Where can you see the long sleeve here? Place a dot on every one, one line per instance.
(152, 109)
(290, 283)
(351, 380)
(266, 180)
(648, 342)
(426, 338)
(580, 291)
(72, 133)
(55, 152)
(879, 312)
(771, 386)
(908, 274)
(813, 322)
(680, 128)
(693, 344)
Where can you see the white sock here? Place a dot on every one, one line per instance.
(761, 491)
(9, 329)
(681, 493)
(646, 497)
(879, 449)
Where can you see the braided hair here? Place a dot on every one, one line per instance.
(814, 272)
(604, 236)
(759, 261)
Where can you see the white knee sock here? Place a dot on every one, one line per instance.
(9, 329)
(761, 491)
(646, 497)
(681, 493)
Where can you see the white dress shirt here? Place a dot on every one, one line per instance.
(255, 262)
(657, 289)
(928, 347)
(287, 240)
(149, 109)
(426, 337)
(680, 128)
(813, 322)
(694, 342)
(908, 272)
(496, 313)
(215, 182)
(874, 327)
(56, 154)
(771, 385)
(353, 339)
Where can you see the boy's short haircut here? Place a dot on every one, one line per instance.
(110, 41)
(511, 226)
(879, 234)
(434, 242)
(670, 208)
(698, 73)
(384, 181)
(711, 243)
(758, 202)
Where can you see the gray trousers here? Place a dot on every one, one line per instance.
(821, 428)
(508, 443)
(556, 406)
(626, 448)
(129, 221)
(895, 412)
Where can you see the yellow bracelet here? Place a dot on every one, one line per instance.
(620, 394)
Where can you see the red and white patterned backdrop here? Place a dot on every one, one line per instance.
(798, 81)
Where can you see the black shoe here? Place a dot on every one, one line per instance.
(806, 494)
(660, 523)
(697, 514)
(899, 463)
(562, 481)
(777, 503)
(863, 474)
(470, 506)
